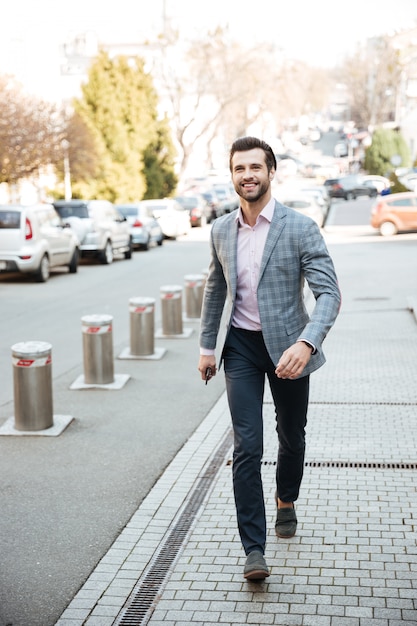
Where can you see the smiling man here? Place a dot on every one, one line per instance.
(260, 256)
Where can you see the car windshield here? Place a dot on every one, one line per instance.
(158, 207)
(9, 219)
(127, 211)
(188, 202)
(66, 211)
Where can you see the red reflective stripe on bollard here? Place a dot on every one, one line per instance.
(19, 362)
(97, 330)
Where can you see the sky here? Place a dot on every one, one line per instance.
(320, 32)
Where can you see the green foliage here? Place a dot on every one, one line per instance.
(158, 159)
(386, 143)
(119, 106)
(396, 186)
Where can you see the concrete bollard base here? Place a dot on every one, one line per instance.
(60, 424)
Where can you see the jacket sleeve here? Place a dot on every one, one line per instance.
(319, 272)
(214, 298)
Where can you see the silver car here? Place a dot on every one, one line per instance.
(33, 239)
(99, 226)
(144, 227)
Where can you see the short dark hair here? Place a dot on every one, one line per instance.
(250, 143)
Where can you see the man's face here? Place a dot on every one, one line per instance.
(250, 175)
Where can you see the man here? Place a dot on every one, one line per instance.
(260, 256)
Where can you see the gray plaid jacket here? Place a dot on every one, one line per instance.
(295, 251)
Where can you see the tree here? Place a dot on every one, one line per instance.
(158, 159)
(386, 144)
(372, 76)
(213, 89)
(78, 145)
(119, 107)
(32, 140)
(29, 128)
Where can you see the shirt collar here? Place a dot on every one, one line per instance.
(266, 213)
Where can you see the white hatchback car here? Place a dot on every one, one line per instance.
(33, 239)
(173, 218)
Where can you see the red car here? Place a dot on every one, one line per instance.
(395, 212)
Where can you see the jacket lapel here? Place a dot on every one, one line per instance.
(274, 233)
(232, 254)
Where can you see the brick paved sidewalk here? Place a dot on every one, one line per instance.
(353, 561)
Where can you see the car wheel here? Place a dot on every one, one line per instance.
(160, 241)
(128, 253)
(106, 255)
(43, 273)
(387, 229)
(349, 196)
(145, 246)
(73, 264)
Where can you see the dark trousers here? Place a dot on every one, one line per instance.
(246, 361)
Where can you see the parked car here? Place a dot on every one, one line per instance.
(304, 203)
(221, 197)
(409, 180)
(340, 150)
(212, 199)
(228, 199)
(349, 187)
(395, 212)
(144, 227)
(33, 239)
(171, 215)
(99, 226)
(381, 183)
(321, 194)
(198, 207)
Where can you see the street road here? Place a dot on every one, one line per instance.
(350, 212)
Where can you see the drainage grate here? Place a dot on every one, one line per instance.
(351, 464)
(141, 603)
(360, 403)
(362, 464)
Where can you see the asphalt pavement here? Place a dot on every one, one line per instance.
(353, 561)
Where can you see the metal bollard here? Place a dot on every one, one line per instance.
(171, 303)
(142, 326)
(194, 288)
(32, 383)
(97, 334)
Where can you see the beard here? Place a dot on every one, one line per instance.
(252, 195)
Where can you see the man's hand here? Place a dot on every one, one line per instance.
(294, 360)
(204, 363)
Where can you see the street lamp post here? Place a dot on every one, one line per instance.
(67, 172)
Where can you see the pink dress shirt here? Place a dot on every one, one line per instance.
(250, 247)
